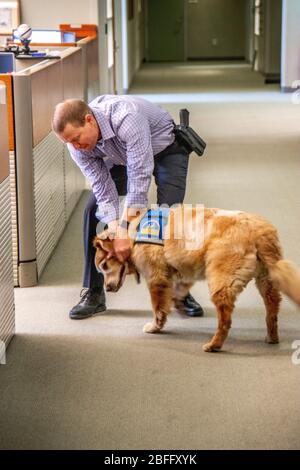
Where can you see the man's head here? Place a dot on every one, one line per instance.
(73, 121)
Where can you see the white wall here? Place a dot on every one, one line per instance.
(132, 52)
(134, 34)
(48, 15)
(249, 31)
(103, 57)
(119, 47)
(290, 59)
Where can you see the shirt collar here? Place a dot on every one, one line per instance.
(104, 124)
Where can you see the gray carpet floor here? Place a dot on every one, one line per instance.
(103, 384)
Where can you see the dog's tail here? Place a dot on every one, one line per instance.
(285, 276)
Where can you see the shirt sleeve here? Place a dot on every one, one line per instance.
(103, 186)
(134, 131)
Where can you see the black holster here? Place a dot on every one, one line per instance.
(186, 136)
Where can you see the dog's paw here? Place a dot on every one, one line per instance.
(209, 347)
(274, 340)
(151, 328)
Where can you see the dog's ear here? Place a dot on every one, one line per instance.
(96, 242)
(104, 244)
(132, 270)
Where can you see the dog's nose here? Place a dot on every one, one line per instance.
(111, 288)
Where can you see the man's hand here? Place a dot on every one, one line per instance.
(121, 245)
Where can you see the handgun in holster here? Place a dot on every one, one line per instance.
(186, 136)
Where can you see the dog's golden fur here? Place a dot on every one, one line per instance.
(237, 247)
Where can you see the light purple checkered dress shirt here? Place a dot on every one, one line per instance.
(133, 132)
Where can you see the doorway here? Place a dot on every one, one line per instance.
(216, 29)
(178, 30)
(165, 30)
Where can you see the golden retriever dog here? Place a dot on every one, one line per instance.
(234, 247)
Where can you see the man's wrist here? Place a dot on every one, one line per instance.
(124, 224)
(122, 232)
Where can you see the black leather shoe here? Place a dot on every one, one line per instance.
(92, 301)
(191, 307)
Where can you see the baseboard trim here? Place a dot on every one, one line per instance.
(203, 59)
(289, 89)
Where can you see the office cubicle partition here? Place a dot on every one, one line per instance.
(87, 39)
(90, 51)
(48, 183)
(7, 309)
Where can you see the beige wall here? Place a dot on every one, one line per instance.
(42, 14)
(216, 29)
(273, 37)
(290, 65)
(48, 15)
(135, 33)
(119, 42)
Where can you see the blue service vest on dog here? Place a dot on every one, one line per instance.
(151, 228)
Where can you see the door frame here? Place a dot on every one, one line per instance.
(105, 72)
(185, 27)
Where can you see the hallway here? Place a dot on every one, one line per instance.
(198, 77)
(102, 383)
